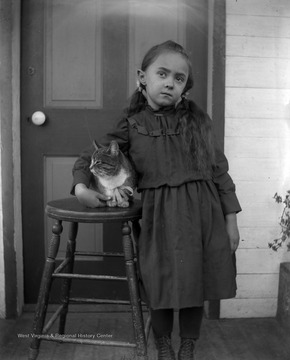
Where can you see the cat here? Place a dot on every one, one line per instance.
(114, 175)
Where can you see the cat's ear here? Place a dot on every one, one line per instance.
(96, 146)
(114, 148)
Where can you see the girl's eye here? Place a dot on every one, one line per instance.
(180, 79)
(162, 74)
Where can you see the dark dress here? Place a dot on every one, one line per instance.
(184, 250)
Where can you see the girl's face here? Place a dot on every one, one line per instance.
(165, 79)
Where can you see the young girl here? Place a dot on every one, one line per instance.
(189, 228)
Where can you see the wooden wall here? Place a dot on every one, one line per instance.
(257, 143)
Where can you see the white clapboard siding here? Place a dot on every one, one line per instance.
(262, 170)
(262, 286)
(250, 147)
(250, 193)
(253, 301)
(263, 128)
(257, 237)
(258, 26)
(273, 8)
(257, 103)
(251, 308)
(257, 215)
(260, 192)
(260, 261)
(250, 72)
(257, 139)
(278, 48)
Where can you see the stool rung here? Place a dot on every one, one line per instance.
(62, 265)
(90, 253)
(70, 339)
(88, 277)
(52, 319)
(99, 301)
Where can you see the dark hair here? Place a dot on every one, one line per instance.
(197, 136)
(195, 125)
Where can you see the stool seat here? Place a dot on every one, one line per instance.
(71, 210)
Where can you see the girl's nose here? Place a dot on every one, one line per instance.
(169, 83)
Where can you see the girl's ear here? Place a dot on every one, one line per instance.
(141, 77)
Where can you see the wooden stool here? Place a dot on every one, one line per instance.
(72, 211)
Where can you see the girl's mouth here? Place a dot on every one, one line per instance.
(166, 94)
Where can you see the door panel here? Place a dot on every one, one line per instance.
(78, 64)
(73, 67)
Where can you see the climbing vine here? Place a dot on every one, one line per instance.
(284, 222)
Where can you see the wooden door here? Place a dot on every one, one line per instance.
(79, 60)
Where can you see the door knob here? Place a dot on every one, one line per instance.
(38, 118)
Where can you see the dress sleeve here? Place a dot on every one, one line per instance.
(225, 186)
(81, 169)
(119, 133)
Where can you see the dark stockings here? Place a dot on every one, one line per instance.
(189, 322)
(162, 322)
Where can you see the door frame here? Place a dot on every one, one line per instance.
(11, 263)
(11, 270)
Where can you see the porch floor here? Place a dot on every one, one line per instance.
(231, 339)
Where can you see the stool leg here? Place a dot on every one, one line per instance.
(42, 302)
(136, 230)
(137, 315)
(66, 285)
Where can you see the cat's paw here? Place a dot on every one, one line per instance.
(112, 203)
(124, 204)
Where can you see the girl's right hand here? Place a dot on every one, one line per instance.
(89, 197)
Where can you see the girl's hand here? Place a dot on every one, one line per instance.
(232, 230)
(89, 197)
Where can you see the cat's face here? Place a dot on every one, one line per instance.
(105, 160)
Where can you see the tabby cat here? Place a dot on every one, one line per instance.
(114, 175)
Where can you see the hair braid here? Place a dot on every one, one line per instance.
(196, 132)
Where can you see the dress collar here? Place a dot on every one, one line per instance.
(165, 110)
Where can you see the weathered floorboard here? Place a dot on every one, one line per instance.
(231, 339)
